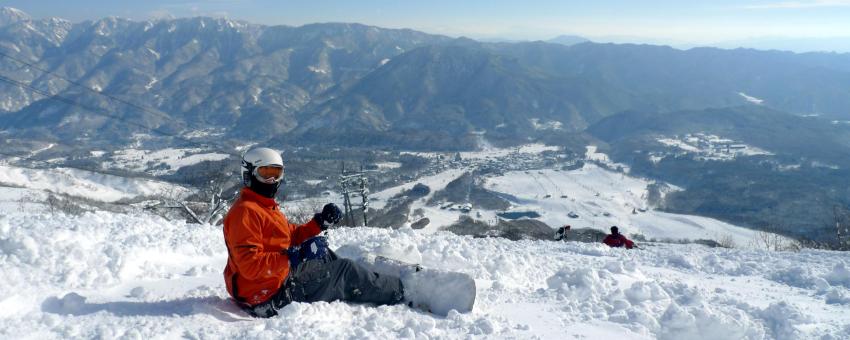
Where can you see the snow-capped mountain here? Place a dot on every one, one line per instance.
(10, 15)
(383, 85)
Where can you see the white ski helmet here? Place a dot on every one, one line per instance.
(257, 157)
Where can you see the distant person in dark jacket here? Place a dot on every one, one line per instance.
(615, 239)
(561, 233)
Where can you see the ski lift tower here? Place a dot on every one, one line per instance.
(842, 219)
(354, 183)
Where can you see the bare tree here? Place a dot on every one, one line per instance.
(27, 199)
(214, 190)
(726, 241)
(769, 239)
(66, 205)
(52, 203)
(303, 211)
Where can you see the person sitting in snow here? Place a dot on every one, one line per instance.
(561, 233)
(615, 239)
(271, 262)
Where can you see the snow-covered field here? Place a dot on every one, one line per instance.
(601, 198)
(102, 275)
(710, 147)
(85, 184)
(138, 276)
(160, 162)
(489, 152)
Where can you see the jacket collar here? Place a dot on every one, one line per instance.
(250, 195)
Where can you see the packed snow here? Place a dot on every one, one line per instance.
(600, 198)
(435, 183)
(160, 162)
(84, 184)
(592, 154)
(104, 275)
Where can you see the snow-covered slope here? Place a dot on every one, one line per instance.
(102, 275)
(21, 199)
(600, 198)
(160, 162)
(86, 184)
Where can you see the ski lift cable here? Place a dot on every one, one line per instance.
(89, 89)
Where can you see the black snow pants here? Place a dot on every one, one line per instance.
(332, 279)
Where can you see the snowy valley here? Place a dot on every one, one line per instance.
(135, 275)
(122, 143)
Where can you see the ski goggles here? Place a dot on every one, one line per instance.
(269, 174)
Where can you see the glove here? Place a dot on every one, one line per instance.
(331, 214)
(314, 248)
(294, 254)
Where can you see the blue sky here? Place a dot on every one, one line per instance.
(653, 21)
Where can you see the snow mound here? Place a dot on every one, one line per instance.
(103, 275)
(839, 275)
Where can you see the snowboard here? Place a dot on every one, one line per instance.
(432, 290)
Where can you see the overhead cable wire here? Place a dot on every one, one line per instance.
(87, 88)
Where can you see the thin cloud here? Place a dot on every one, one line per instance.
(801, 4)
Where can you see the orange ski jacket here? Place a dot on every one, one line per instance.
(257, 235)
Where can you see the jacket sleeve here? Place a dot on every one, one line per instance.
(245, 239)
(302, 232)
(629, 243)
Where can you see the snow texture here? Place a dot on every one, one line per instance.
(86, 184)
(105, 275)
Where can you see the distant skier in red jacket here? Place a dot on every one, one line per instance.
(615, 239)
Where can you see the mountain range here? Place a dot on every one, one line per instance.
(357, 84)
(109, 83)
